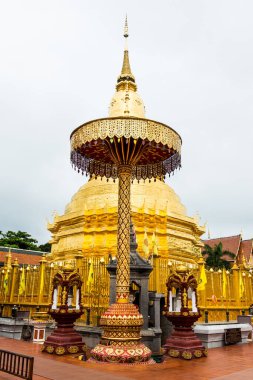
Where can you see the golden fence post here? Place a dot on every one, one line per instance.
(202, 298)
(8, 267)
(220, 282)
(8, 260)
(79, 266)
(228, 289)
(14, 279)
(235, 279)
(156, 267)
(41, 278)
(1, 285)
(51, 275)
(250, 287)
(244, 286)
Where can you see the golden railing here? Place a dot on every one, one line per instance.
(218, 299)
(221, 301)
(95, 294)
(38, 292)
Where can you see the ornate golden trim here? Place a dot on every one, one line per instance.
(60, 350)
(125, 127)
(174, 353)
(73, 349)
(187, 355)
(198, 353)
(50, 349)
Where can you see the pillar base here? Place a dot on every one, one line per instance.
(64, 339)
(121, 324)
(184, 343)
(136, 353)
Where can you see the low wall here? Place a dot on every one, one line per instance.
(213, 335)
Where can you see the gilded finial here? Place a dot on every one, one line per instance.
(68, 266)
(126, 74)
(126, 101)
(181, 268)
(201, 260)
(126, 28)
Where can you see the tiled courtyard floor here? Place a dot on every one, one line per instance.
(227, 363)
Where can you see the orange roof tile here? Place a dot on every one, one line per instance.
(23, 258)
(246, 249)
(229, 243)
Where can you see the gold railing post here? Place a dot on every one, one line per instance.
(14, 279)
(201, 294)
(41, 278)
(51, 275)
(156, 271)
(236, 291)
(8, 260)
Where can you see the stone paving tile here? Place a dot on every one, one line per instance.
(232, 362)
(57, 370)
(246, 374)
(6, 376)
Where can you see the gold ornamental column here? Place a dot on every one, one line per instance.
(42, 269)
(126, 146)
(236, 284)
(123, 257)
(15, 270)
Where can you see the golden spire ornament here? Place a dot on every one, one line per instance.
(126, 28)
(126, 101)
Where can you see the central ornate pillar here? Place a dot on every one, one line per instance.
(123, 267)
(122, 321)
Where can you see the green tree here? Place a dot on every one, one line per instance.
(18, 239)
(214, 256)
(45, 247)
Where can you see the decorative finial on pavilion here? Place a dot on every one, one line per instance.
(126, 34)
(126, 28)
(126, 101)
(244, 263)
(126, 74)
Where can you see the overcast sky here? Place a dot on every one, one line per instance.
(193, 63)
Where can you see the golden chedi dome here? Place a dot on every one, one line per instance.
(97, 194)
(88, 226)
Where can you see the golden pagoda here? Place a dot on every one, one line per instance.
(89, 225)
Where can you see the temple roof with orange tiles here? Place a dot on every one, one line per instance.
(24, 257)
(242, 249)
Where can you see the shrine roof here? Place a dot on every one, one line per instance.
(23, 256)
(246, 249)
(229, 243)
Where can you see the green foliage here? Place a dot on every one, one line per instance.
(45, 247)
(22, 240)
(214, 257)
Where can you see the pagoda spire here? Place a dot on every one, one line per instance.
(126, 73)
(126, 101)
(126, 29)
